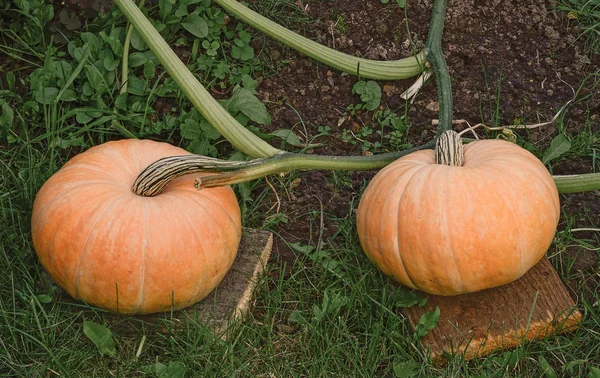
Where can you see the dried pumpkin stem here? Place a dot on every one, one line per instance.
(449, 149)
(158, 175)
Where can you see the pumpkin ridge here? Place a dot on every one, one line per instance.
(534, 165)
(509, 172)
(390, 188)
(200, 241)
(212, 200)
(85, 248)
(143, 263)
(449, 242)
(49, 203)
(397, 239)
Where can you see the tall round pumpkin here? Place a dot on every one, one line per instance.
(448, 230)
(126, 253)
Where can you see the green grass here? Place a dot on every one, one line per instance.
(327, 312)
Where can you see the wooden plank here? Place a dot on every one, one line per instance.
(476, 324)
(231, 300)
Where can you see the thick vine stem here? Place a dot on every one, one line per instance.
(449, 149)
(239, 136)
(371, 69)
(435, 57)
(577, 183)
(291, 161)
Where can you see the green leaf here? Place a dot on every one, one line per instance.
(546, 368)
(7, 115)
(101, 336)
(405, 369)
(594, 372)
(242, 100)
(289, 136)
(173, 370)
(403, 297)
(11, 80)
(427, 322)
(559, 145)
(164, 8)
(196, 25)
(208, 130)
(137, 42)
(190, 129)
(46, 95)
(121, 101)
(136, 86)
(94, 77)
(370, 93)
(149, 69)
(24, 5)
(243, 52)
(401, 3)
(137, 59)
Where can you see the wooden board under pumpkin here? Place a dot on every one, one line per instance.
(476, 324)
(231, 300)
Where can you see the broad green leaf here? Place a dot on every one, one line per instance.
(196, 25)
(181, 11)
(46, 95)
(137, 42)
(401, 3)
(370, 93)
(135, 85)
(121, 101)
(243, 101)
(24, 5)
(594, 372)
(149, 69)
(173, 370)
(11, 80)
(101, 336)
(94, 77)
(137, 59)
(546, 368)
(190, 129)
(289, 136)
(208, 130)
(405, 369)
(558, 147)
(427, 322)
(68, 95)
(7, 115)
(403, 297)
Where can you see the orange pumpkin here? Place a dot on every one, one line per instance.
(126, 253)
(449, 230)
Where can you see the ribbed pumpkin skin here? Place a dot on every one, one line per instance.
(94, 235)
(450, 230)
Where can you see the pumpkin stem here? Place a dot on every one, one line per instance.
(159, 174)
(449, 149)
